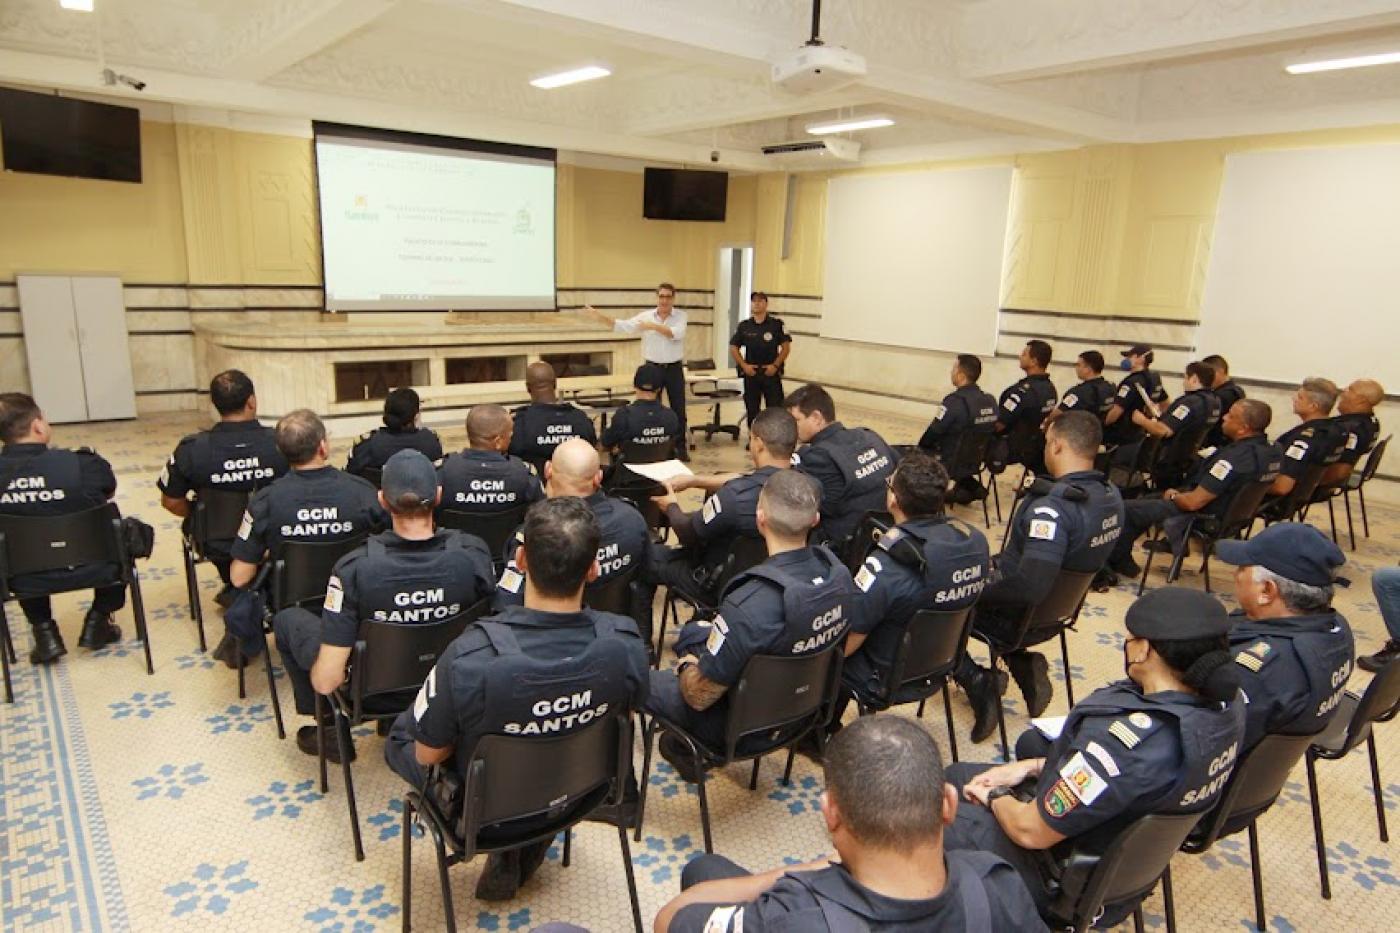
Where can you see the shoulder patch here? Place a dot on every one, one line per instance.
(1120, 731)
(511, 580)
(711, 508)
(1255, 656)
(1070, 400)
(865, 578)
(364, 437)
(1045, 510)
(335, 594)
(1083, 781)
(1042, 529)
(1011, 402)
(1222, 469)
(1297, 450)
(245, 528)
(720, 918)
(1180, 412)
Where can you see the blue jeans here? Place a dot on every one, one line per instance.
(1385, 584)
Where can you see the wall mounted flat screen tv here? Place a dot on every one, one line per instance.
(681, 194)
(53, 135)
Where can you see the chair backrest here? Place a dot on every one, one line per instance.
(1123, 867)
(1024, 443)
(1257, 781)
(1373, 460)
(932, 645)
(1244, 505)
(639, 493)
(494, 528)
(1302, 492)
(301, 569)
(777, 691)
(1121, 462)
(394, 656)
(614, 595)
(374, 474)
(745, 553)
(1380, 702)
(510, 777)
(35, 543)
(216, 515)
(1062, 603)
(969, 454)
(633, 451)
(871, 526)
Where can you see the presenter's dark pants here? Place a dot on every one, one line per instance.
(674, 385)
(761, 391)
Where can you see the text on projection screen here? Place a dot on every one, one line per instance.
(411, 227)
(914, 259)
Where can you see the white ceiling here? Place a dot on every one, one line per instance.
(961, 77)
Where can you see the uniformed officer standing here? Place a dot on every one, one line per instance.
(1163, 741)
(1248, 457)
(1316, 439)
(1185, 423)
(645, 424)
(484, 478)
(797, 602)
(1141, 390)
(1356, 418)
(1069, 523)
(759, 348)
(1093, 393)
(314, 502)
(546, 668)
(625, 541)
(965, 410)
(403, 430)
(730, 511)
(851, 464)
(546, 422)
(36, 479)
(237, 454)
(410, 575)
(1023, 407)
(892, 873)
(926, 561)
(1227, 390)
(1295, 652)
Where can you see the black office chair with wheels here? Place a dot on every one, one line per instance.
(510, 778)
(1238, 518)
(1125, 866)
(1253, 787)
(1059, 608)
(493, 528)
(215, 515)
(716, 395)
(1353, 723)
(388, 664)
(792, 695)
(36, 543)
(745, 553)
(928, 653)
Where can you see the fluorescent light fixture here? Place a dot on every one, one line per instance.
(84, 6)
(1337, 64)
(573, 76)
(849, 126)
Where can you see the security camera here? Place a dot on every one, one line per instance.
(714, 155)
(112, 79)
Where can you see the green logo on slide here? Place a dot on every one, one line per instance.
(523, 222)
(360, 210)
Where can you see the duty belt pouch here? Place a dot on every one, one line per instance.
(244, 620)
(444, 789)
(139, 537)
(998, 453)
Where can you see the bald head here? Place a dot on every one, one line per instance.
(487, 427)
(1361, 397)
(540, 381)
(573, 470)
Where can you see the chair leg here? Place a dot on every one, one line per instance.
(192, 584)
(407, 865)
(1365, 522)
(6, 652)
(1258, 876)
(996, 495)
(1351, 529)
(344, 742)
(321, 739)
(648, 737)
(1376, 785)
(1168, 900)
(1174, 571)
(1137, 919)
(753, 778)
(704, 804)
(631, 880)
(1064, 657)
(948, 715)
(1332, 517)
(787, 769)
(138, 611)
(569, 846)
(1146, 569)
(272, 691)
(1318, 843)
(242, 660)
(445, 881)
(919, 713)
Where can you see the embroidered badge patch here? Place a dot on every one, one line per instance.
(1059, 799)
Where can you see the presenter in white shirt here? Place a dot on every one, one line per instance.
(663, 343)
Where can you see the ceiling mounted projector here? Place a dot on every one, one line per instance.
(817, 67)
(814, 152)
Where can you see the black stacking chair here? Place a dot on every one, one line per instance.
(929, 652)
(1353, 723)
(1060, 607)
(296, 575)
(637, 489)
(215, 515)
(1288, 508)
(512, 778)
(969, 459)
(622, 595)
(716, 395)
(493, 528)
(1123, 867)
(773, 693)
(374, 474)
(745, 553)
(388, 665)
(35, 543)
(1253, 787)
(1238, 519)
(1357, 483)
(862, 541)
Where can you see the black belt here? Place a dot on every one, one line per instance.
(652, 363)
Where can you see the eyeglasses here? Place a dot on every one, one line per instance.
(889, 480)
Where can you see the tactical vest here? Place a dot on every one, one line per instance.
(815, 615)
(1101, 396)
(326, 508)
(416, 585)
(865, 460)
(484, 485)
(1098, 533)
(831, 894)
(47, 483)
(1325, 658)
(233, 460)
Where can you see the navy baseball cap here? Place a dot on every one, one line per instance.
(409, 473)
(1137, 349)
(1292, 550)
(649, 378)
(1177, 613)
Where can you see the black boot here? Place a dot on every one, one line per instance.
(98, 630)
(227, 651)
(48, 643)
(306, 741)
(1032, 673)
(500, 879)
(1375, 663)
(984, 689)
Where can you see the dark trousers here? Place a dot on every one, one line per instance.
(976, 828)
(759, 388)
(674, 384)
(1139, 515)
(665, 700)
(108, 595)
(298, 635)
(704, 868)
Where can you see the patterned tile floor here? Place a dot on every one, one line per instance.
(166, 803)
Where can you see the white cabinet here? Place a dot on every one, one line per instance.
(75, 341)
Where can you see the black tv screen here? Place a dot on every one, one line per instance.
(54, 135)
(680, 194)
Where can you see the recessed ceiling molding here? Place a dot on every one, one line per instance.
(573, 76)
(850, 124)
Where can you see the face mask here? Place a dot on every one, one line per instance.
(1127, 665)
(1126, 365)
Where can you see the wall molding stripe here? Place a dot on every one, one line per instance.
(1051, 338)
(143, 392)
(160, 333)
(1103, 317)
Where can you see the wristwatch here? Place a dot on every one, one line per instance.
(997, 793)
